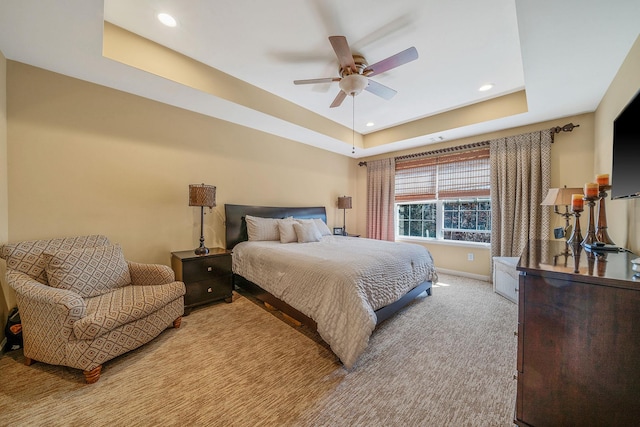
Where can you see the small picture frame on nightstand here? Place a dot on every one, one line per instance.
(337, 231)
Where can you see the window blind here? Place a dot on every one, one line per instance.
(454, 175)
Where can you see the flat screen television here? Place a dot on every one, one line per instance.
(625, 173)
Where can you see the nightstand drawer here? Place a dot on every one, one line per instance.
(213, 289)
(205, 268)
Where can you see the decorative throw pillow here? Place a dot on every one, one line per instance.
(307, 231)
(88, 272)
(322, 227)
(262, 228)
(26, 257)
(286, 230)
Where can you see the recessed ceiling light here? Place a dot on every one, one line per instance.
(167, 19)
(485, 87)
(370, 124)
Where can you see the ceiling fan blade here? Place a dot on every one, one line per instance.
(342, 50)
(338, 101)
(391, 62)
(313, 81)
(380, 90)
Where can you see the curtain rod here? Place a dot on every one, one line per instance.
(439, 151)
(566, 128)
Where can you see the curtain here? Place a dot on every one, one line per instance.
(520, 175)
(380, 199)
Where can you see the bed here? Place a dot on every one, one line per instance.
(343, 287)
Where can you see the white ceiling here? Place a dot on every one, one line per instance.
(564, 53)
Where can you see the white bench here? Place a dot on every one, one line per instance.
(505, 277)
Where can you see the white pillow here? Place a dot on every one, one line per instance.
(322, 227)
(286, 230)
(307, 231)
(262, 228)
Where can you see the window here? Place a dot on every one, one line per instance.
(467, 220)
(445, 197)
(418, 220)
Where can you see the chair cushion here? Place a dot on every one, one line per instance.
(26, 257)
(124, 305)
(88, 271)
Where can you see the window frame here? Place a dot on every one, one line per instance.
(439, 221)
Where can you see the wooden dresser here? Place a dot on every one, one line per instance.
(578, 338)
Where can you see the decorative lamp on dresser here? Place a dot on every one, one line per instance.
(207, 277)
(578, 337)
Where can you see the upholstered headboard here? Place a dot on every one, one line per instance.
(236, 226)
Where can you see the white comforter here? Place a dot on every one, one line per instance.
(339, 282)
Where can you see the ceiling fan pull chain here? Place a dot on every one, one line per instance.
(353, 127)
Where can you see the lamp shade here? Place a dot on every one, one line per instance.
(560, 196)
(202, 195)
(344, 202)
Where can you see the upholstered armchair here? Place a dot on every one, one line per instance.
(81, 303)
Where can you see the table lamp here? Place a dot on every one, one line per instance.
(559, 197)
(202, 195)
(344, 203)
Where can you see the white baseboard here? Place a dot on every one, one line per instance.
(464, 274)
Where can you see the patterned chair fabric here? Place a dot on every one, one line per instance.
(100, 307)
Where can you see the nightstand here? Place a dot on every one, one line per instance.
(207, 277)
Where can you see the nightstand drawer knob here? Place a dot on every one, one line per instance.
(209, 290)
(209, 269)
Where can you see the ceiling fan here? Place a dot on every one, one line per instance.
(355, 72)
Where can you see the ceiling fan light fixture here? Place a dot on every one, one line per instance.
(353, 84)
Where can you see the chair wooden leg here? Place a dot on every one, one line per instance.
(29, 361)
(93, 375)
(177, 322)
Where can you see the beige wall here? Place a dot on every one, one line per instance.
(572, 157)
(88, 159)
(7, 298)
(623, 216)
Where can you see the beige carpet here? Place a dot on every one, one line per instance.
(446, 360)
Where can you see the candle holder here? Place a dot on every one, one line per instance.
(591, 261)
(576, 249)
(601, 264)
(576, 234)
(601, 228)
(590, 239)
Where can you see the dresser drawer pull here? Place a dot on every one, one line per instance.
(209, 290)
(209, 269)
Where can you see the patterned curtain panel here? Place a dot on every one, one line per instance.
(380, 199)
(520, 175)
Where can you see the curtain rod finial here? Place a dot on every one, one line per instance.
(566, 128)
